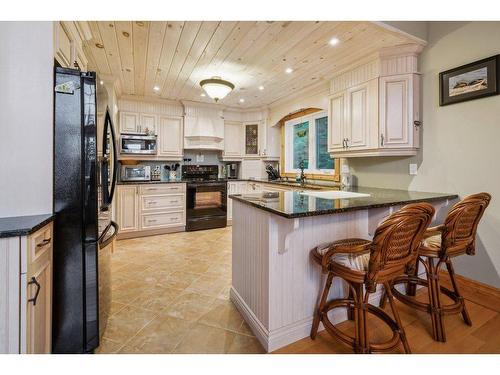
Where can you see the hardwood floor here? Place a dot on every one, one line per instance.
(170, 295)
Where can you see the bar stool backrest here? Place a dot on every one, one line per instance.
(396, 241)
(460, 225)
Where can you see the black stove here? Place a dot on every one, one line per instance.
(206, 197)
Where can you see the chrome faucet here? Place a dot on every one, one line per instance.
(302, 175)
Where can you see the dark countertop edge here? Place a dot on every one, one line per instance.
(34, 222)
(238, 198)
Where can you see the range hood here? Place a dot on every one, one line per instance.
(203, 127)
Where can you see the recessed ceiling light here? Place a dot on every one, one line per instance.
(333, 41)
(102, 82)
(156, 88)
(203, 94)
(99, 45)
(242, 100)
(261, 88)
(288, 70)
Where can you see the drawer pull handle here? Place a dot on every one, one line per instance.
(175, 201)
(44, 243)
(152, 221)
(34, 281)
(173, 218)
(153, 202)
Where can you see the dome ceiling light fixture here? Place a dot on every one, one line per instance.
(216, 87)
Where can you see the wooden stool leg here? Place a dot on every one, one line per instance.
(451, 271)
(383, 300)
(411, 288)
(319, 312)
(435, 302)
(360, 310)
(395, 312)
(350, 310)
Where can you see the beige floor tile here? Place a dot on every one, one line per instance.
(123, 325)
(156, 299)
(208, 285)
(245, 345)
(203, 339)
(130, 290)
(161, 335)
(178, 280)
(190, 306)
(107, 347)
(129, 270)
(224, 315)
(116, 307)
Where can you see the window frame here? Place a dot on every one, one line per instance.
(312, 146)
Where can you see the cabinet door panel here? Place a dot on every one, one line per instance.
(233, 139)
(356, 129)
(147, 123)
(128, 209)
(336, 119)
(395, 114)
(170, 136)
(129, 122)
(252, 139)
(39, 292)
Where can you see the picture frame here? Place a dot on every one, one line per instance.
(476, 80)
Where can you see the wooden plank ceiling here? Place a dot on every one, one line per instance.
(176, 56)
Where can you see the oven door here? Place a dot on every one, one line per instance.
(206, 205)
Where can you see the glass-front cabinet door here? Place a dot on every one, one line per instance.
(252, 139)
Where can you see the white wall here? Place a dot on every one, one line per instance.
(26, 118)
(461, 142)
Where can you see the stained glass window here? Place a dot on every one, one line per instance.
(301, 144)
(323, 159)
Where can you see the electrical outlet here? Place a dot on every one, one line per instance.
(200, 158)
(413, 169)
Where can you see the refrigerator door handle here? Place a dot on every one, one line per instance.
(114, 156)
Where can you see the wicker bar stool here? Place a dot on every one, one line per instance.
(363, 264)
(442, 243)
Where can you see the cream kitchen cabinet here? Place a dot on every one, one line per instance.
(129, 122)
(251, 139)
(374, 108)
(233, 140)
(170, 137)
(26, 292)
(147, 123)
(68, 45)
(128, 208)
(399, 112)
(151, 209)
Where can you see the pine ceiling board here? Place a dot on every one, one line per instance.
(204, 36)
(247, 45)
(214, 68)
(140, 33)
(170, 42)
(366, 43)
(99, 54)
(189, 33)
(157, 30)
(192, 89)
(123, 31)
(108, 35)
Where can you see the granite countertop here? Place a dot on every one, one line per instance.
(295, 204)
(23, 225)
(149, 182)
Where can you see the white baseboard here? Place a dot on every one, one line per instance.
(291, 333)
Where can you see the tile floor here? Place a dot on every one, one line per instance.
(170, 294)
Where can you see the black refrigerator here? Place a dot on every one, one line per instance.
(84, 182)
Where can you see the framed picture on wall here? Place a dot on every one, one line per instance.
(472, 81)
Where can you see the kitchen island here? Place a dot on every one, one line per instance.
(275, 285)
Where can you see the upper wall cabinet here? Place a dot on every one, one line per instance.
(133, 122)
(170, 137)
(233, 140)
(68, 42)
(374, 108)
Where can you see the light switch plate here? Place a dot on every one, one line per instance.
(413, 169)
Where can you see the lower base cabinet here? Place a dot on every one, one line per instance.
(26, 293)
(151, 209)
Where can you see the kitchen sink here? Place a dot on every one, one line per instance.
(333, 194)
